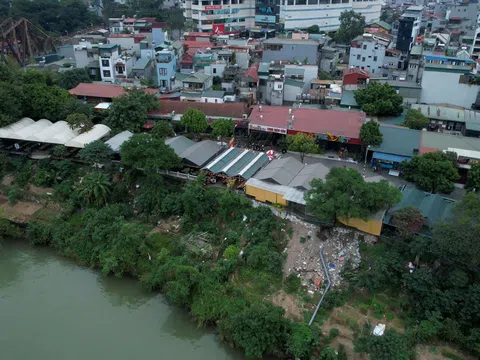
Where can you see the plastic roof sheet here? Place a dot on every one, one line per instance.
(99, 131)
(26, 131)
(5, 131)
(58, 133)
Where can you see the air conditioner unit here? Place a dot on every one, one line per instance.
(244, 116)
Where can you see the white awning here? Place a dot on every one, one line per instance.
(58, 133)
(25, 132)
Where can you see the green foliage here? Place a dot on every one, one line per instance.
(263, 257)
(379, 100)
(94, 189)
(408, 220)
(129, 111)
(258, 329)
(351, 25)
(324, 75)
(79, 122)
(302, 143)
(60, 151)
(345, 194)
(303, 340)
(416, 120)
(62, 17)
(433, 172)
(327, 353)
(11, 103)
(473, 178)
(75, 106)
(222, 128)
(44, 102)
(194, 121)
(389, 15)
(370, 133)
(314, 29)
(391, 346)
(13, 195)
(231, 252)
(71, 78)
(292, 284)
(162, 130)
(96, 152)
(143, 151)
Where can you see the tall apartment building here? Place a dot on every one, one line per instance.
(231, 15)
(367, 52)
(407, 28)
(220, 15)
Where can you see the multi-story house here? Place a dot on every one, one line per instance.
(113, 64)
(367, 52)
(406, 29)
(166, 67)
(219, 16)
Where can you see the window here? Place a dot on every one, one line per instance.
(364, 47)
(107, 73)
(206, 100)
(214, 70)
(373, 71)
(358, 57)
(375, 58)
(162, 71)
(363, 68)
(105, 63)
(363, 59)
(216, 100)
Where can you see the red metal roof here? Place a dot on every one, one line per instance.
(252, 71)
(312, 121)
(197, 44)
(102, 90)
(356, 71)
(226, 110)
(200, 34)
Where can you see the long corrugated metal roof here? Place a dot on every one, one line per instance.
(223, 160)
(248, 171)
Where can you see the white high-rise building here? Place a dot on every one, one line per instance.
(220, 15)
(301, 14)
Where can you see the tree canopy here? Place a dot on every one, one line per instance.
(94, 189)
(222, 128)
(146, 152)
(379, 100)
(473, 178)
(129, 111)
(79, 122)
(302, 143)
(434, 172)
(162, 130)
(345, 194)
(416, 120)
(96, 152)
(408, 221)
(370, 133)
(44, 102)
(351, 25)
(71, 78)
(194, 121)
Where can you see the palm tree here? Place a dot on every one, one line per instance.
(94, 188)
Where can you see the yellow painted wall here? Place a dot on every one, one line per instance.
(264, 195)
(371, 226)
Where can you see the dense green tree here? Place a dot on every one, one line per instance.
(473, 178)
(391, 346)
(345, 194)
(94, 189)
(434, 172)
(35, 76)
(302, 143)
(416, 120)
(75, 106)
(129, 111)
(370, 133)
(162, 130)
(194, 121)
(60, 151)
(96, 152)
(79, 122)
(314, 29)
(44, 102)
(379, 100)
(143, 151)
(324, 75)
(258, 329)
(351, 25)
(70, 79)
(303, 340)
(11, 103)
(327, 353)
(408, 221)
(223, 128)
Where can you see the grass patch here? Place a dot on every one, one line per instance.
(45, 215)
(258, 284)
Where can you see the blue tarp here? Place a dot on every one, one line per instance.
(389, 157)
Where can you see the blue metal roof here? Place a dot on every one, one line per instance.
(447, 58)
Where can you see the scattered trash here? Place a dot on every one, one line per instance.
(379, 329)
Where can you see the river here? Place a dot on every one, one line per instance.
(52, 309)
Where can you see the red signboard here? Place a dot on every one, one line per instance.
(213, 7)
(267, 129)
(218, 29)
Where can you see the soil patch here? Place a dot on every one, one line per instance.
(21, 212)
(289, 303)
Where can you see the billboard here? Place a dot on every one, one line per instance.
(271, 19)
(218, 29)
(213, 7)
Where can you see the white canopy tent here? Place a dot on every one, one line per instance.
(58, 133)
(98, 131)
(7, 130)
(30, 130)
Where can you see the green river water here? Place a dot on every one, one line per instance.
(51, 309)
